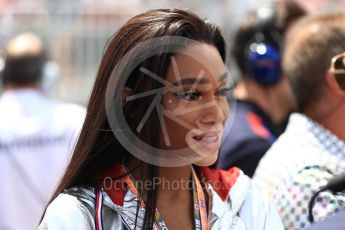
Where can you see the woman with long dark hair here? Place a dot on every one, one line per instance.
(154, 123)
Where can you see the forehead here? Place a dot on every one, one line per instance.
(194, 59)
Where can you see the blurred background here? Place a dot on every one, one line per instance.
(76, 31)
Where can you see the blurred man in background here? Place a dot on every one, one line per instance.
(263, 97)
(36, 135)
(312, 149)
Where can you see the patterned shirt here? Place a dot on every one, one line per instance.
(304, 158)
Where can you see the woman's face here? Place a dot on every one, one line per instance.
(195, 106)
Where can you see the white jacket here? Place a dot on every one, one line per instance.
(37, 136)
(245, 207)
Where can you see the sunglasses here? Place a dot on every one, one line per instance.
(338, 69)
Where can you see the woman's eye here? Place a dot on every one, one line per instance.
(223, 92)
(189, 96)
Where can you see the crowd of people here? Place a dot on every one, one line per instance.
(168, 140)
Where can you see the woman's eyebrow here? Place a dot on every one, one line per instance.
(192, 80)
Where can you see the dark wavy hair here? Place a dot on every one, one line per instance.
(97, 148)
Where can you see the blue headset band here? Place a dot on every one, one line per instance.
(262, 53)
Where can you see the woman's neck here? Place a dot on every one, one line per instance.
(170, 180)
(175, 197)
(174, 192)
(174, 181)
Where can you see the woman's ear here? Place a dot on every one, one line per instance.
(333, 85)
(126, 93)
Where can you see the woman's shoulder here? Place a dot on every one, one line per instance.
(83, 208)
(69, 210)
(233, 184)
(241, 198)
(253, 205)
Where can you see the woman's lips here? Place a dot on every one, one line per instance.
(209, 140)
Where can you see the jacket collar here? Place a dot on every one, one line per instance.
(227, 188)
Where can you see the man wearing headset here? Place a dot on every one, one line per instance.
(36, 135)
(312, 149)
(263, 97)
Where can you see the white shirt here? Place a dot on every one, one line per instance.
(246, 207)
(37, 136)
(304, 158)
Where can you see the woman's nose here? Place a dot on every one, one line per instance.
(213, 113)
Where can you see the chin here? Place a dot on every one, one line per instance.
(208, 161)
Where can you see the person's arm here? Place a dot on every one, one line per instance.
(294, 192)
(66, 212)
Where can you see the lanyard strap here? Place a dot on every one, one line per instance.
(159, 222)
(200, 213)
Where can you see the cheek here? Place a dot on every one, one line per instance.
(177, 108)
(225, 107)
(178, 127)
(176, 133)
